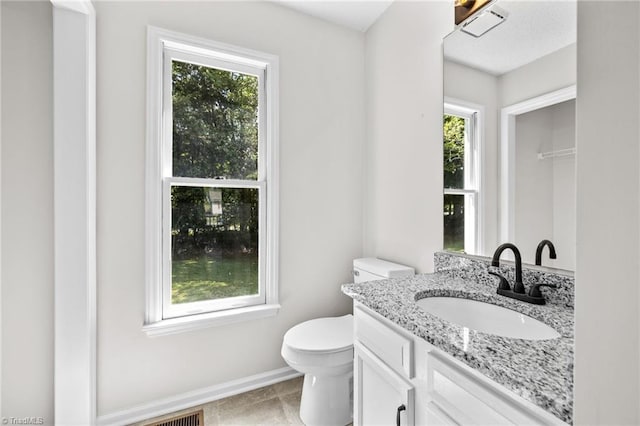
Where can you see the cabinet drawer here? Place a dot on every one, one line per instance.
(391, 347)
(466, 400)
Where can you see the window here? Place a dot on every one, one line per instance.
(211, 181)
(461, 164)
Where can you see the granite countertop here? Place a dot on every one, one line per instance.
(540, 371)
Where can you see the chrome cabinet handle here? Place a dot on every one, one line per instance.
(400, 408)
(356, 273)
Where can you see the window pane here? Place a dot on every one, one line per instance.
(215, 123)
(454, 137)
(214, 243)
(454, 222)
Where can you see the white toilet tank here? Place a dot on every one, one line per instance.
(372, 268)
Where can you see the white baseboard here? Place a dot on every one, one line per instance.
(196, 397)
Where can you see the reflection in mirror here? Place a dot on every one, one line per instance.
(509, 133)
(461, 177)
(545, 195)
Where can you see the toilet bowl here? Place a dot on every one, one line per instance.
(322, 349)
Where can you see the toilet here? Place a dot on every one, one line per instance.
(322, 349)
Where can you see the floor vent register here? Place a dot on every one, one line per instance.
(195, 418)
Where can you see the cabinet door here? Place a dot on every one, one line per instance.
(381, 396)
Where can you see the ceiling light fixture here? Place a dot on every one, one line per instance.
(464, 9)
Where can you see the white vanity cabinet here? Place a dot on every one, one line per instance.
(383, 368)
(395, 370)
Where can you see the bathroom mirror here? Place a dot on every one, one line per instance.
(509, 130)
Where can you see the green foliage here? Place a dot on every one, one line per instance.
(215, 123)
(188, 211)
(453, 128)
(215, 135)
(453, 165)
(240, 210)
(196, 230)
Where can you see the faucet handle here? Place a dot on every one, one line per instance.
(504, 284)
(534, 291)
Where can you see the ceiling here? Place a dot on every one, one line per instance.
(354, 14)
(532, 29)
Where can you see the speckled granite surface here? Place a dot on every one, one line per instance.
(475, 268)
(541, 371)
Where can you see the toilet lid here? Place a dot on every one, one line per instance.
(321, 334)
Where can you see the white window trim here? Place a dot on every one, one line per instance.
(474, 173)
(200, 50)
(74, 146)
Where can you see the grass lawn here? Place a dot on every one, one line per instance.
(205, 278)
(455, 244)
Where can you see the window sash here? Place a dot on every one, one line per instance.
(472, 175)
(471, 217)
(454, 191)
(169, 309)
(471, 148)
(169, 55)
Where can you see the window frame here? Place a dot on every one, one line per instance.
(473, 173)
(162, 317)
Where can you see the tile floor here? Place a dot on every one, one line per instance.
(278, 404)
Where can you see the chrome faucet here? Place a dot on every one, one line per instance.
(552, 251)
(504, 289)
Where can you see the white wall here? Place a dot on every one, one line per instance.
(403, 206)
(471, 85)
(533, 207)
(27, 204)
(551, 72)
(321, 127)
(563, 129)
(607, 272)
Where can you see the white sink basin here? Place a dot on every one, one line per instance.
(487, 318)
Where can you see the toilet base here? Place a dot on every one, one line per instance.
(327, 400)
